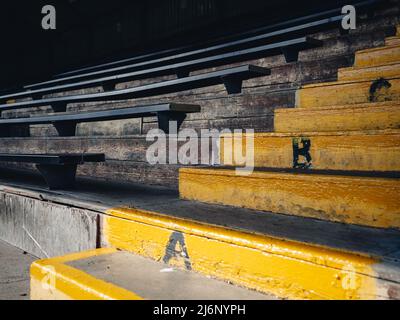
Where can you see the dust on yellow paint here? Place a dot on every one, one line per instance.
(350, 199)
(285, 268)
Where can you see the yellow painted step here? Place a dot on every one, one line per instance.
(348, 92)
(377, 56)
(288, 269)
(365, 151)
(369, 73)
(392, 41)
(370, 116)
(368, 201)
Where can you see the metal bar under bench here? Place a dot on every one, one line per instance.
(65, 124)
(58, 170)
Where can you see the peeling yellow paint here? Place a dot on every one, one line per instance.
(52, 279)
(369, 151)
(377, 56)
(357, 200)
(345, 93)
(392, 41)
(391, 70)
(285, 268)
(371, 116)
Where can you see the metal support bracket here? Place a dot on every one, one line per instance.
(58, 176)
(291, 54)
(233, 84)
(108, 86)
(14, 130)
(65, 128)
(182, 73)
(165, 117)
(59, 107)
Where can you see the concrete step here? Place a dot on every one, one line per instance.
(366, 151)
(369, 73)
(348, 198)
(369, 116)
(377, 56)
(348, 93)
(392, 41)
(109, 274)
(288, 256)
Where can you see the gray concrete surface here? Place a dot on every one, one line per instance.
(14, 272)
(46, 229)
(158, 281)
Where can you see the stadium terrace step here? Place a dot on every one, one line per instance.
(392, 41)
(354, 198)
(109, 274)
(377, 56)
(365, 151)
(369, 116)
(369, 73)
(284, 255)
(348, 93)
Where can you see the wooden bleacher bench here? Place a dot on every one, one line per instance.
(58, 170)
(289, 48)
(288, 29)
(65, 124)
(232, 78)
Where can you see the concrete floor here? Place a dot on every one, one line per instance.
(154, 280)
(14, 272)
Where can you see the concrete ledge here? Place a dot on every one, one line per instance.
(287, 256)
(45, 228)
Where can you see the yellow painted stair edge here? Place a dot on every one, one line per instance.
(390, 70)
(282, 267)
(377, 56)
(347, 92)
(53, 279)
(372, 116)
(368, 201)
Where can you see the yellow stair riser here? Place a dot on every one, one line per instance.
(344, 93)
(374, 152)
(371, 73)
(337, 119)
(377, 56)
(284, 268)
(371, 202)
(392, 41)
